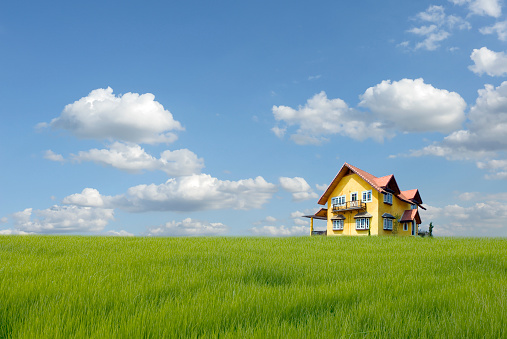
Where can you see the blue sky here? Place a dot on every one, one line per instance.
(232, 117)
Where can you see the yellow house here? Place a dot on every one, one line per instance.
(359, 203)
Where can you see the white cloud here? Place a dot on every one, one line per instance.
(321, 117)
(413, 106)
(197, 192)
(62, 219)
(500, 28)
(130, 117)
(281, 231)
(438, 29)
(434, 14)
(485, 218)
(314, 77)
(297, 214)
(89, 197)
(406, 105)
(14, 232)
(133, 158)
(298, 187)
(484, 137)
(497, 168)
(270, 219)
(482, 7)
(188, 227)
(50, 155)
(321, 187)
(279, 132)
(308, 211)
(489, 62)
(432, 40)
(121, 233)
(301, 222)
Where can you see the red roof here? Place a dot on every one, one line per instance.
(380, 184)
(410, 215)
(384, 180)
(413, 195)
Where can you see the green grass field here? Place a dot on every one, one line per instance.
(368, 287)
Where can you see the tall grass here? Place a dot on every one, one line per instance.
(59, 287)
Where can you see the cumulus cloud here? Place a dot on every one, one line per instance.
(133, 158)
(321, 117)
(489, 62)
(491, 8)
(407, 106)
(484, 137)
(14, 232)
(298, 187)
(62, 219)
(121, 233)
(50, 155)
(197, 192)
(436, 27)
(413, 106)
(130, 117)
(281, 231)
(188, 227)
(301, 222)
(89, 197)
(485, 218)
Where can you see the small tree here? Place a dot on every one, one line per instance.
(396, 223)
(430, 228)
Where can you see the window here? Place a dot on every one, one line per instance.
(367, 196)
(338, 225)
(338, 201)
(362, 224)
(353, 200)
(413, 207)
(405, 226)
(353, 196)
(388, 224)
(388, 198)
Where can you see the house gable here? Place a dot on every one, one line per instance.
(348, 169)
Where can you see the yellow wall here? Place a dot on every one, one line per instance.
(354, 183)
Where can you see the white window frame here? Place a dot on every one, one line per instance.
(338, 201)
(388, 198)
(405, 226)
(352, 194)
(362, 224)
(366, 196)
(388, 224)
(338, 225)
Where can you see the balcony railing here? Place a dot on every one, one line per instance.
(350, 205)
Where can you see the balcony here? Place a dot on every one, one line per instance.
(349, 206)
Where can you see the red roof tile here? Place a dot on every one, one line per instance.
(387, 181)
(410, 215)
(413, 195)
(383, 181)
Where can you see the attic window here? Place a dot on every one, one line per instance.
(388, 198)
